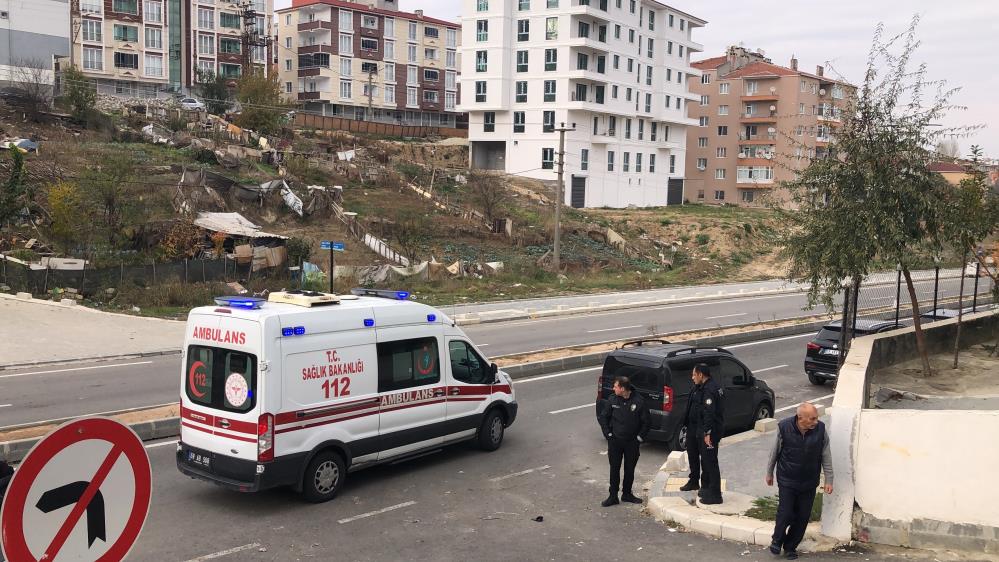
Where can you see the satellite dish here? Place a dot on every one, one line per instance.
(768, 155)
(771, 130)
(822, 91)
(773, 108)
(773, 90)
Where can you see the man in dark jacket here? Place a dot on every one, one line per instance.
(705, 419)
(801, 450)
(624, 420)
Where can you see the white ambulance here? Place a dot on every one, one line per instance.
(304, 387)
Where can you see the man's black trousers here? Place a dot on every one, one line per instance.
(703, 463)
(793, 510)
(618, 450)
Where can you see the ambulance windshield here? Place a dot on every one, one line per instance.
(222, 379)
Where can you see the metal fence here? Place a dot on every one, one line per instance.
(87, 281)
(887, 300)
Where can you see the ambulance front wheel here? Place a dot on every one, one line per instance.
(491, 432)
(324, 477)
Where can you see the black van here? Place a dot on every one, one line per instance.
(660, 371)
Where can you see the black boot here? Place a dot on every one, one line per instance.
(630, 498)
(611, 500)
(690, 486)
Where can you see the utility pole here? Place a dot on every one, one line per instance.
(556, 262)
(252, 36)
(371, 92)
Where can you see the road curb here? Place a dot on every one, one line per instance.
(15, 451)
(93, 359)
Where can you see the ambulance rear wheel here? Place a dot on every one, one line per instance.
(324, 477)
(491, 432)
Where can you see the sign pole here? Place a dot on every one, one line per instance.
(332, 268)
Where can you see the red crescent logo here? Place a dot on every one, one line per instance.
(190, 379)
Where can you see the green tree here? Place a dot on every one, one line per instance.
(263, 109)
(80, 93)
(970, 216)
(13, 192)
(873, 200)
(214, 91)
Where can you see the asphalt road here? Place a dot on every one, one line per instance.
(460, 503)
(45, 393)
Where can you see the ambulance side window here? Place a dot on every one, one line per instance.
(200, 372)
(466, 365)
(408, 363)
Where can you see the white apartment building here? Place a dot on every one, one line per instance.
(616, 71)
(31, 34)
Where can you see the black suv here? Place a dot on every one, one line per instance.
(660, 371)
(822, 353)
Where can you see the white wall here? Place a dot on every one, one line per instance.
(929, 464)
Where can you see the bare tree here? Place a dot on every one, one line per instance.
(33, 78)
(410, 232)
(489, 195)
(949, 148)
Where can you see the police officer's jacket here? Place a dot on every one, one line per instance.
(622, 418)
(706, 410)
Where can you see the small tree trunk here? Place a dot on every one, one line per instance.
(960, 310)
(920, 336)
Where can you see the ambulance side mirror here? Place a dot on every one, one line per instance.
(494, 370)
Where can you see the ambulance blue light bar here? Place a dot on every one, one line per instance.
(293, 331)
(381, 293)
(249, 303)
(369, 322)
(431, 318)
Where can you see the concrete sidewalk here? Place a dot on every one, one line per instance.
(36, 332)
(743, 461)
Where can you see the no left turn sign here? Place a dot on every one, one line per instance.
(82, 493)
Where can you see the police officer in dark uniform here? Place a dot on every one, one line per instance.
(705, 427)
(624, 420)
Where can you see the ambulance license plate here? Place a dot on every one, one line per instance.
(200, 460)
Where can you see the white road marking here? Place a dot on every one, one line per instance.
(799, 336)
(613, 329)
(590, 405)
(5, 405)
(226, 552)
(482, 345)
(556, 375)
(377, 512)
(813, 400)
(882, 298)
(521, 473)
(726, 316)
(768, 369)
(75, 369)
(154, 445)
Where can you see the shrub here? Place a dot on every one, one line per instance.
(702, 239)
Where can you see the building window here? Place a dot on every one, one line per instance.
(93, 58)
(480, 91)
(230, 46)
(390, 94)
(153, 11)
(722, 130)
(723, 88)
(721, 152)
(584, 30)
(702, 121)
(652, 133)
(627, 94)
(206, 44)
(553, 3)
(627, 129)
(626, 162)
(450, 80)
(482, 6)
(389, 49)
(126, 60)
(369, 22)
(346, 44)
(551, 29)
(430, 54)
(702, 163)
(369, 44)
(549, 90)
(230, 21)
(230, 70)
(631, 36)
(648, 52)
(614, 91)
(126, 33)
(433, 96)
(450, 59)
(91, 6)
(287, 87)
(551, 59)
(481, 61)
(153, 65)
(411, 53)
(672, 163)
(287, 42)
(206, 19)
(582, 61)
(523, 30)
(547, 158)
(719, 195)
(631, 66)
(389, 24)
(584, 159)
(524, 5)
(389, 72)
(346, 66)
(548, 121)
(482, 30)
(206, 68)
(610, 160)
(521, 61)
(452, 38)
(431, 32)
(648, 103)
(700, 194)
(747, 196)
(93, 31)
(521, 95)
(346, 20)
(720, 173)
(431, 75)
(580, 93)
(598, 94)
(652, 163)
(519, 118)
(704, 100)
(489, 122)
(722, 110)
(411, 100)
(412, 31)
(450, 101)
(638, 162)
(641, 129)
(411, 75)
(126, 7)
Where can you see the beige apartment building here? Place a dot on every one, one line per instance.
(369, 62)
(758, 123)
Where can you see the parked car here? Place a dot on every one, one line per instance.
(973, 268)
(192, 104)
(822, 353)
(948, 313)
(660, 371)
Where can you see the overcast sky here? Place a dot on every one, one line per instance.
(959, 42)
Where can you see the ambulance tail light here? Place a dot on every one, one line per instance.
(265, 437)
(667, 399)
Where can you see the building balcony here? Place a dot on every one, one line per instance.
(320, 71)
(588, 42)
(695, 47)
(750, 182)
(596, 9)
(823, 140)
(757, 118)
(768, 138)
(316, 25)
(754, 160)
(603, 137)
(769, 96)
(310, 49)
(310, 96)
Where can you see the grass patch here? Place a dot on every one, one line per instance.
(765, 509)
(702, 239)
